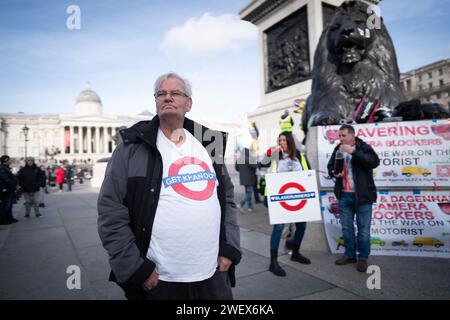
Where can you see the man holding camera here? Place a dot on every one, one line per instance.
(351, 164)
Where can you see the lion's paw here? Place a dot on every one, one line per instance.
(323, 118)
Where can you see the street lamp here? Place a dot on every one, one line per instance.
(25, 130)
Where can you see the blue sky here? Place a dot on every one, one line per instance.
(123, 46)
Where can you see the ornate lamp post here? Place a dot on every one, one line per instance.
(25, 130)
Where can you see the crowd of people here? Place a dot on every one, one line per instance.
(32, 182)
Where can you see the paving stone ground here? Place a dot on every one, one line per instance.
(35, 254)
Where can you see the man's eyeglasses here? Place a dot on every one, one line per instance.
(176, 95)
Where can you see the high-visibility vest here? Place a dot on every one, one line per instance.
(303, 162)
(273, 167)
(286, 124)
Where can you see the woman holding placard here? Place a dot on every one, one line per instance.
(285, 157)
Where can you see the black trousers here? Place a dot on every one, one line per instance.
(215, 288)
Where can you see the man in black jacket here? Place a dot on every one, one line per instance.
(166, 207)
(69, 176)
(356, 191)
(30, 181)
(8, 185)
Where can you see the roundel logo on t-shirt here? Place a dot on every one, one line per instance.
(180, 182)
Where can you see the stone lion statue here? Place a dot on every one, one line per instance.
(351, 60)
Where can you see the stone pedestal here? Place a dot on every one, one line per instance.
(288, 33)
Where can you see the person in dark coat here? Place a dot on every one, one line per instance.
(246, 166)
(147, 194)
(356, 192)
(69, 176)
(8, 185)
(30, 180)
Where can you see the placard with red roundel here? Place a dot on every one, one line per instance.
(293, 197)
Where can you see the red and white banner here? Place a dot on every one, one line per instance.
(67, 138)
(293, 197)
(414, 223)
(412, 154)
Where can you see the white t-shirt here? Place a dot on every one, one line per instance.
(185, 237)
(287, 164)
(348, 184)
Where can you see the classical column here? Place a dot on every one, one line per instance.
(63, 137)
(97, 140)
(315, 26)
(71, 140)
(113, 133)
(89, 138)
(105, 140)
(80, 139)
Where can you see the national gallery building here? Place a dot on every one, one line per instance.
(80, 137)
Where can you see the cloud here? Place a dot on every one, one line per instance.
(209, 35)
(224, 93)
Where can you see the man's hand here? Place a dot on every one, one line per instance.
(151, 282)
(346, 148)
(223, 263)
(339, 175)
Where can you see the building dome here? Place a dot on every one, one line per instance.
(88, 95)
(88, 102)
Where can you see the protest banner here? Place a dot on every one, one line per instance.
(404, 223)
(412, 154)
